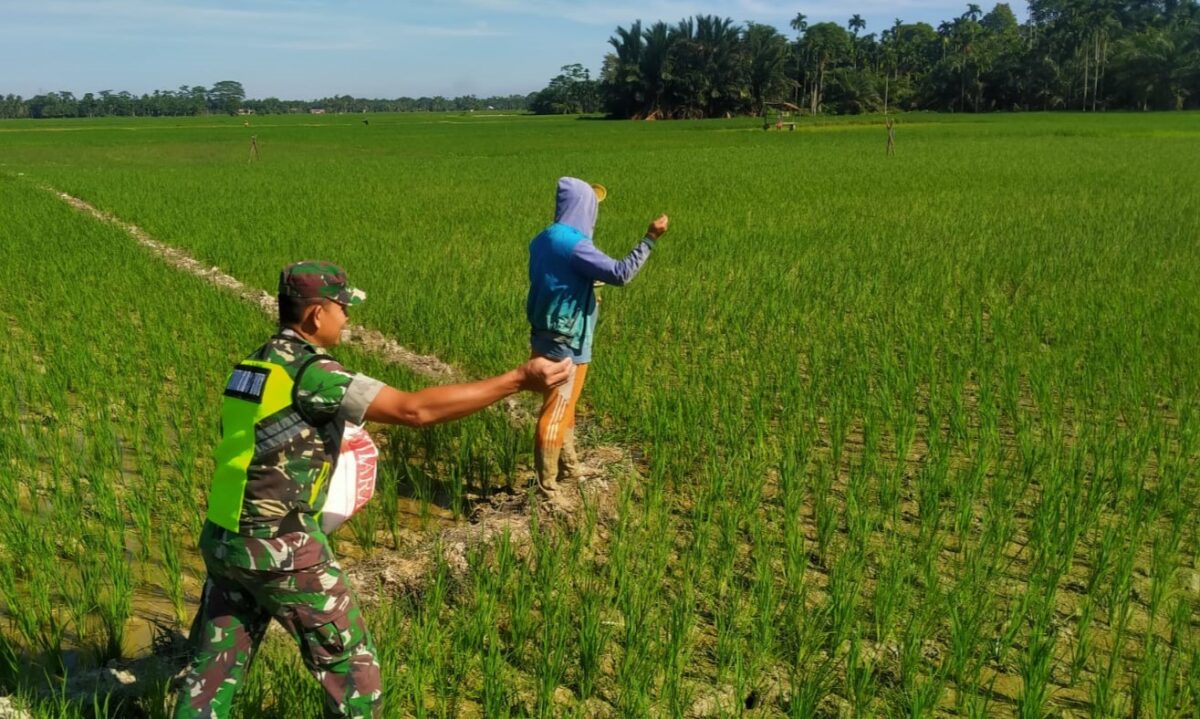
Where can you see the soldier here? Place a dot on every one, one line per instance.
(284, 411)
(561, 308)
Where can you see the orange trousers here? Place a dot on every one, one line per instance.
(554, 448)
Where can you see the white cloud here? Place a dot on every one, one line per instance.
(265, 23)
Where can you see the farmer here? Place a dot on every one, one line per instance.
(284, 411)
(561, 308)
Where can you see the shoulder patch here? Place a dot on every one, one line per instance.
(247, 383)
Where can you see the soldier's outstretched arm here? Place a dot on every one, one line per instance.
(434, 405)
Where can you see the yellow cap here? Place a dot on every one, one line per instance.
(600, 190)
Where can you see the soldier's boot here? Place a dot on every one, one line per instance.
(545, 463)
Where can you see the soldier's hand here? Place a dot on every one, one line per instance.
(659, 227)
(540, 374)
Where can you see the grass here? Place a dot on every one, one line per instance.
(919, 435)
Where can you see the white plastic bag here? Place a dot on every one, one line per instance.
(353, 482)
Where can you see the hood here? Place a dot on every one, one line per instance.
(576, 205)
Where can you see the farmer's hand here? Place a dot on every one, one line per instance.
(540, 374)
(658, 227)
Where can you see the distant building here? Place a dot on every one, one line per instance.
(245, 111)
(316, 111)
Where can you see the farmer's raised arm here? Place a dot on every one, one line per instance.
(593, 264)
(434, 405)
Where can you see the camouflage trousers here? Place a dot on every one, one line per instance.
(315, 605)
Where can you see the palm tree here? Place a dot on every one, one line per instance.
(622, 86)
(800, 25)
(725, 69)
(653, 68)
(856, 24)
(767, 54)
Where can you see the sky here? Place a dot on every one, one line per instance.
(307, 49)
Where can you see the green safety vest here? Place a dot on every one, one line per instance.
(255, 391)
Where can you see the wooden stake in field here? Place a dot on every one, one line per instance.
(254, 149)
(890, 123)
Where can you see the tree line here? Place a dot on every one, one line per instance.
(1087, 55)
(229, 97)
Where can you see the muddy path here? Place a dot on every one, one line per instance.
(357, 336)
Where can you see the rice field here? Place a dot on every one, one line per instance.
(911, 437)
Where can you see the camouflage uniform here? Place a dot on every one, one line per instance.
(275, 562)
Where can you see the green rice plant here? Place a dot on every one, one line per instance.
(931, 488)
(521, 615)
(458, 654)
(1164, 558)
(966, 490)
(920, 686)
(636, 590)
(979, 706)
(726, 553)
(484, 603)
(727, 614)
(173, 569)
(496, 685)
(11, 664)
(765, 600)
(592, 632)
(551, 652)
(365, 524)
(859, 515)
(860, 678)
(1102, 555)
(968, 614)
(426, 659)
(845, 584)
(141, 512)
(1035, 668)
(1156, 688)
(810, 683)
(825, 510)
(116, 605)
(1191, 684)
(1081, 652)
(891, 594)
(677, 645)
(1106, 701)
(387, 498)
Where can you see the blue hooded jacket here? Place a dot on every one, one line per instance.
(563, 265)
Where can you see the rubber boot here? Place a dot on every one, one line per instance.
(569, 465)
(545, 462)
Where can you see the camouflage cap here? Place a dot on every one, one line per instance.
(316, 280)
